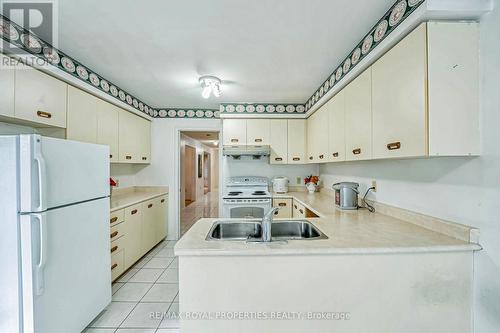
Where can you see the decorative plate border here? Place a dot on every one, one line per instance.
(32, 44)
(398, 12)
(261, 108)
(188, 113)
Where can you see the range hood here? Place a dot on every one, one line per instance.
(255, 151)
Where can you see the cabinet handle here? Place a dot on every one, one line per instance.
(258, 140)
(296, 159)
(321, 157)
(295, 206)
(133, 212)
(110, 156)
(150, 205)
(113, 235)
(335, 154)
(114, 248)
(301, 211)
(282, 204)
(310, 157)
(356, 151)
(128, 157)
(114, 266)
(144, 158)
(162, 200)
(44, 114)
(394, 145)
(234, 140)
(113, 220)
(279, 159)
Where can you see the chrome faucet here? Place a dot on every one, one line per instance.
(267, 222)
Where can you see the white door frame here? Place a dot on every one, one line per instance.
(177, 179)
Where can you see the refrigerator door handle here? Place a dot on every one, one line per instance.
(39, 267)
(40, 162)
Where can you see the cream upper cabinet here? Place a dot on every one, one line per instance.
(7, 84)
(312, 145)
(258, 131)
(234, 131)
(107, 127)
(40, 98)
(128, 145)
(399, 99)
(278, 140)
(358, 118)
(321, 134)
(82, 116)
(336, 128)
(144, 140)
(297, 129)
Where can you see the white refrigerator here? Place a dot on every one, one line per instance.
(55, 271)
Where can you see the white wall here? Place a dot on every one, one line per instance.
(464, 190)
(165, 155)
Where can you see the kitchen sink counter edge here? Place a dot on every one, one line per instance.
(129, 196)
(358, 232)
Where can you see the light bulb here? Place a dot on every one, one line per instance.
(206, 92)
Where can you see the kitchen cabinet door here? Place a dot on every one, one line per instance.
(234, 132)
(298, 211)
(358, 117)
(162, 218)
(7, 84)
(82, 116)
(148, 225)
(40, 98)
(321, 134)
(258, 131)
(285, 208)
(297, 141)
(278, 140)
(336, 128)
(144, 140)
(128, 137)
(312, 145)
(399, 99)
(133, 236)
(107, 128)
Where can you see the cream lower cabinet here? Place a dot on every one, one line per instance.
(40, 98)
(336, 128)
(7, 83)
(297, 138)
(149, 221)
(298, 210)
(278, 141)
(107, 128)
(285, 208)
(81, 116)
(162, 218)
(234, 132)
(133, 237)
(358, 118)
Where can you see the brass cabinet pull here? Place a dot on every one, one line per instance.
(128, 157)
(144, 158)
(162, 200)
(301, 211)
(114, 248)
(113, 220)
(234, 140)
(282, 204)
(295, 206)
(394, 145)
(258, 140)
(44, 114)
(335, 154)
(321, 157)
(114, 266)
(150, 205)
(110, 156)
(113, 235)
(279, 159)
(133, 212)
(310, 157)
(296, 159)
(356, 151)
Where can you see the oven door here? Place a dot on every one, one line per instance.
(246, 210)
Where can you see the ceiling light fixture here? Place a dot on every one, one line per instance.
(210, 85)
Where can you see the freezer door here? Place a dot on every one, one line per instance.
(65, 267)
(55, 172)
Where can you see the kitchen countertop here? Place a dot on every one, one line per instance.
(349, 232)
(122, 198)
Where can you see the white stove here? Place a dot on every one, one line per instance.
(246, 197)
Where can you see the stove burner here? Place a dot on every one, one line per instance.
(259, 193)
(234, 193)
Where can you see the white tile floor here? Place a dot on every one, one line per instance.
(146, 298)
(207, 206)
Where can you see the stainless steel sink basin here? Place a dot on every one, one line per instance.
(251, 230)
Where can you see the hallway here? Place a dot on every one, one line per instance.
(207, 206)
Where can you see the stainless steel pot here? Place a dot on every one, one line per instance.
(346, 195)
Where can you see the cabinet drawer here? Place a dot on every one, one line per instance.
(116, 217)
(117, 231)
(118, 245)
(285, 208)
(117, 264)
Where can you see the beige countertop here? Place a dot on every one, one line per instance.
(125, 197)
(349, 232)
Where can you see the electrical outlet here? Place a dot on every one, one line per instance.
(374, 185)
(299, 180)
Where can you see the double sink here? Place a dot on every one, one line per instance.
(251, 230)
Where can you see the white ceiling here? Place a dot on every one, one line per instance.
(267, 51)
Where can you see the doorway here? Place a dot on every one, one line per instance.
(199, 176)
